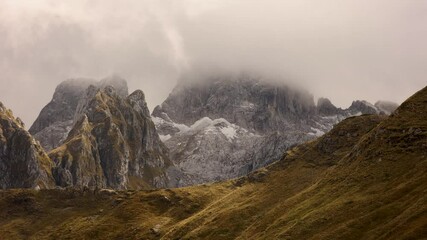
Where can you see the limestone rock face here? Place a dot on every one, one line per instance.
(242, 101)
(23, 162)
(57, 117)
(113, 144)
(225, 127)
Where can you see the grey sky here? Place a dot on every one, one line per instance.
(341, 49)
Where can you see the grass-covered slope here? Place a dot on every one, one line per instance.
(366, 179)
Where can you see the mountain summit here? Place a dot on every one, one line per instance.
(23, 162)
(57, 117)
(113, 144)
(221, 128)
(99, 136)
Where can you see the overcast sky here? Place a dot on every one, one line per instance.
(341, 49)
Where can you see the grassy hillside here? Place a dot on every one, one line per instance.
(366, 179)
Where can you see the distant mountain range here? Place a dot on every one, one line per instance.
(222, 128)
(96, 135)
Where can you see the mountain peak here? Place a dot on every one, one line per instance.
(325, 107)
(119, 84)
(23, 162)
(264, 118)
(363, 107)
(113, 144)
(57, 117)
(249, 102)
(137, 100)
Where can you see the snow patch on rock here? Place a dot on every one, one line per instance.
(160, 121)
(230, 132)
(207, 125)
(316, 132)
(164, 138)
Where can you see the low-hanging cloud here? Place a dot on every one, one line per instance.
(343, 50)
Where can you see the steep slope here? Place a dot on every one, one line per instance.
(23, 162)
(113, 144)
(57, 117)
(221, 128)
(365, 179)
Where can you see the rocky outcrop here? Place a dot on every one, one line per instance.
(113, 144)
(23, 162)
(380, 107)
(57, 117)
(221, 128)
(325, 107)
(363, 107)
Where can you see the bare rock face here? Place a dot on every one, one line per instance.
(113, 144)
(225, 127)
(245, 101)
(363, 107)
(57, 117)
(325, 107)
(23, 162)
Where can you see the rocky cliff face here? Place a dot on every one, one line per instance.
(325, 107)
(222, 128)
(23, 162)
(113, 144)
(245, 101)
(57, 117)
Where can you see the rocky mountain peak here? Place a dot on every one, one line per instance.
(23, 162)
(248, 102)
(223, 127)
(363, 107)
(137, 96)
(114, 144)
(117, 82)
(110, 90)
(137, 101)
(57, 117)
(71, 87)
(325, 107)
(243, 123)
